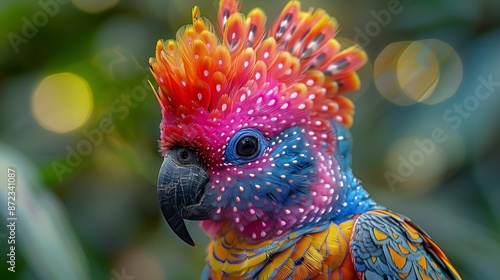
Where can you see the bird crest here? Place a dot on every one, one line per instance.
(295, 73)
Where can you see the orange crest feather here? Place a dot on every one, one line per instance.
(210, 69)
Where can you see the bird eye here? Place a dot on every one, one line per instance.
(184, 155)
(246, 145)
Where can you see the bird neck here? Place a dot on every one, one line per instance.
(354, 199)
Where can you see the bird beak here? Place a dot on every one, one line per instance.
(181, 185)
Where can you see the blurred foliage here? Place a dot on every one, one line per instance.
(86, 199)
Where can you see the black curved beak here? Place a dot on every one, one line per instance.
(181, 186)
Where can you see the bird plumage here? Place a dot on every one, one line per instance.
(256, 147)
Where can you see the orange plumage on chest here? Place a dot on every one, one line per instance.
(322, 254)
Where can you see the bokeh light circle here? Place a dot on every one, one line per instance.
(426, 71)
(62, 102)
(415, 165)
(418, 71)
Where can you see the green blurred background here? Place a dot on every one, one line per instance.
(79, 125)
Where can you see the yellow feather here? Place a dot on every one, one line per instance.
(337, 242)
(379, 235)
(277, 261)
(301, 247)
(398, 260)
(422, 262)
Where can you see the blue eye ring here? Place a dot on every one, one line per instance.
(245, 146)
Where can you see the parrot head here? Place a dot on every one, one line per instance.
(252, 122)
